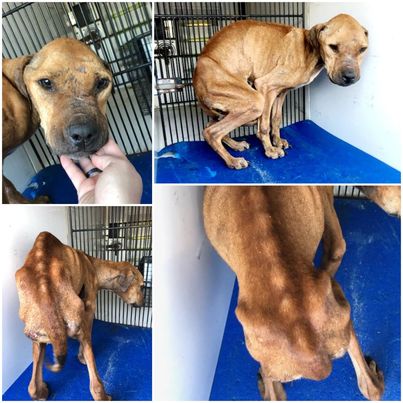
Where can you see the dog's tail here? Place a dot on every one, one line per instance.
(57, 334)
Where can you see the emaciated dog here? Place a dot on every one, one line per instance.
(64, 89)
(57, 288)
(295, 318)
(246, 69)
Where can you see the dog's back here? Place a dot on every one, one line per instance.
(294, 317)
(47, 289)
(246, 49)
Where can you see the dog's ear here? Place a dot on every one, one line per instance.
(13, 69)
(314, 33)
(125, 280)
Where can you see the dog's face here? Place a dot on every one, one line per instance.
(342, 43)
(131, 284)
(69, 87)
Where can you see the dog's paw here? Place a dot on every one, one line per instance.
(274, 153)
(373, 386)
(284, 144)
(241, 146)
(280, 143)
(237, 163)
(40, 393)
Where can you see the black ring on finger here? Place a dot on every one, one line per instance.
(92, 172)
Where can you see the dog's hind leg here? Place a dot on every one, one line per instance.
(264, 125)
(38, 389)
(96, 386)
(84, 337)
(218, 90)
(334, 245)
(215, 133)
(369, 377)
(276, 116)
(269, 389)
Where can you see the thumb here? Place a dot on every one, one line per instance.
(101, 161)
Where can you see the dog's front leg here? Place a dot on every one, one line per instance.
(264, 123)
(38, 389)
(269, 389)
(369, 377)
(276, 117)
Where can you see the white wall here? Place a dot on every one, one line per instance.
(193, 289)
(20, 226)
(368, 113)
(18, 168)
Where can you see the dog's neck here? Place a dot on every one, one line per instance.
(107, 272)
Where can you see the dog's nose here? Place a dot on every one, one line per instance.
(81, 134)
(348, 76)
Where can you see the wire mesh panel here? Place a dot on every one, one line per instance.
(120, 33)
(181, 30)
(346, 191)
(117, 234)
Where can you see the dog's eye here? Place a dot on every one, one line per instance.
(46, 84)
(335, 48)
(362, 50)
(102, 83)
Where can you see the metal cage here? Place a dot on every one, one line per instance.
(181, 30)
(120, 33)
(117, 234)
(345, 191)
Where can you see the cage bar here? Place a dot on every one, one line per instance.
(181, 30)
(117, 234)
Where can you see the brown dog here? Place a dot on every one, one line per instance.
(57, 288)
(386, 197)
(246, 69)
(63, 88)
(295, 318)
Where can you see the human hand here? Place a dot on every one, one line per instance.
(118, 183)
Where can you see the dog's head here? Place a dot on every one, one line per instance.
(69, 85)
(342, 43)
(129, 285)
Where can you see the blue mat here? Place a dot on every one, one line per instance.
(316, 156)
(53, 181)
(370, 278)
(123, 357)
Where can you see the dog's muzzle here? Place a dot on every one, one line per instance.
(345, 78)
(82, 136)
